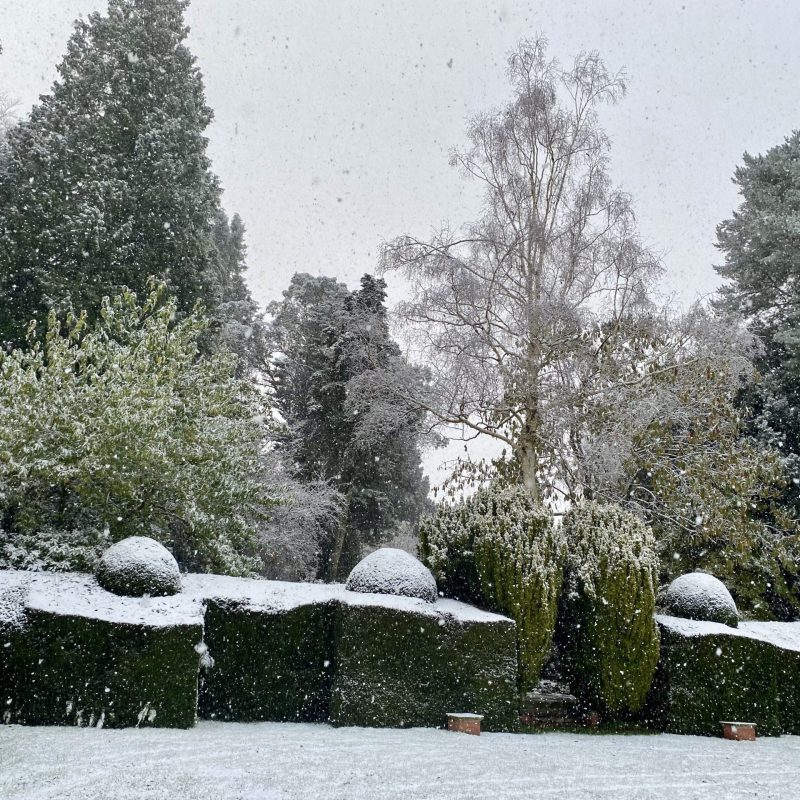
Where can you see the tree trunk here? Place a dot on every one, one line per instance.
(338, 542)
(528, 457)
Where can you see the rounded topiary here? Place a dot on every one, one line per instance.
(607, 633)
(392, 571)
(499, 549)
(698, 595)
(139, 566)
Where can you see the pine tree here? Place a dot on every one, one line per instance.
(108, 180)
(761, 244)
(333, 370)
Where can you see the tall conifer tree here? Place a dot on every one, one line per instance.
(334, 371)
(108, 181)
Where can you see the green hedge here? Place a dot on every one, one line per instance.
(398, 668)
(13, 621)
(606, 635)
(714, 676)
(268, 665)
(279, 651)
(500, 550)
(65, 670)
(788, 682)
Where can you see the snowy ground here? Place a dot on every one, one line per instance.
(270, 761)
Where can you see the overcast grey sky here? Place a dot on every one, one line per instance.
(333, 119)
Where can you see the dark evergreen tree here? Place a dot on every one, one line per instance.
(761, 244)
(335, 371)
(108, 180)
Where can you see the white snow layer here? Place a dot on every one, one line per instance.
(785, 635)
(12, 600)
(77, 594)
(294, 761)
(389, 570)
(139, 565)
(698, 595)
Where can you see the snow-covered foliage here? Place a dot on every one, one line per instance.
(295, 533)
(607, 635)
(698, 595)
(108, 180)
(538, 321)
(499, 549)
(392, 571)
(122, 428)
(138, 566)
(333, 368)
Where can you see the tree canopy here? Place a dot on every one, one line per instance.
(122, 428)
(334, 369)
(538, 320)
(108, 182)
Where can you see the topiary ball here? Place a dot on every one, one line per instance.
(137, 566)
(392, 571)
(698, 595)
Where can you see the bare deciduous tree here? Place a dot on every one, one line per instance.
(537, 320)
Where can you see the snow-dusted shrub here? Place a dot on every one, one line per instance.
(607, 635)
(698, 595)
(499, 549)
(137, 566)
(392, 571)
(400, 666)
(85, 657)
(708, 673)
(123, 423)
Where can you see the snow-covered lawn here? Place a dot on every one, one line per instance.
(271, 761)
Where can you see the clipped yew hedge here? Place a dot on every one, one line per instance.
(67, 670)
(402, 668)
(705, 678)
(788, 687)
(268, 664)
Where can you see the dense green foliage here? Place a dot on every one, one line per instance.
(607, 636)
(108, 182)
(788, 683)
(68, 670)
(704, 679)
(499, 549)
(397, 668)
(121, 428)
(268, 666)
(711, 494)
(333, 367)
(762, 265)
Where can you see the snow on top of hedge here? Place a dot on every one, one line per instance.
(79, 595)
(76, 594)
(278, 596)
(785, 635)
(391, 571)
